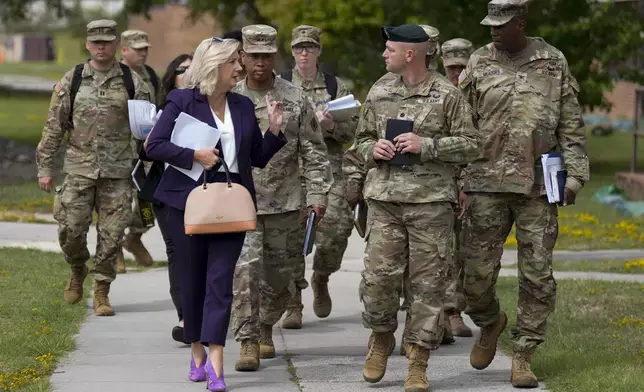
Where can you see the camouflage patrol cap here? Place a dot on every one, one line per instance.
(101, 30)
(456, 51)
(306, 34)
(135, 39)
(500, 12)
(433, 33)
(259, 39)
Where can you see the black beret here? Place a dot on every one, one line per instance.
(411, 33)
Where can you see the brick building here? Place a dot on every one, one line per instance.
(172, 32)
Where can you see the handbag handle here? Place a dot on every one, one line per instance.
(228, 181)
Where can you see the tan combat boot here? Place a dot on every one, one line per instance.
(485, 347)
(248, 357)
(416, 380)
(522, 376)
(403, 344)
(120, 262)
(134, 245)
(266, 346)
(293, 318)
(379, 350)
(458, 325)
(74, 290)
(448, 337)
(321, 298)
(102, 305)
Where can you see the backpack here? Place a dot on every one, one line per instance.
(153, 78)
(329, 80)
(77, 78)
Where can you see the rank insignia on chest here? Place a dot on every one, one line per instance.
(101, 93)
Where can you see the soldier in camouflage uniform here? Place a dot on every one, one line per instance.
(355, 179)
(332, 235)
(134, 49)
(455, 54)
(404, 201)
(525, 101)
(263, 282)
(98, 163)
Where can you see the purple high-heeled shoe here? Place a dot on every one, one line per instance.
(215, 383)
(198, 374)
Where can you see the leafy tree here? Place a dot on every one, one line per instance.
(17, 10)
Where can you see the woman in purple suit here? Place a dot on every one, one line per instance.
(208, 275)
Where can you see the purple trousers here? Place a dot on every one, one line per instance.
(206, 280)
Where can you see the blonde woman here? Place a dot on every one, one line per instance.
(207, 275)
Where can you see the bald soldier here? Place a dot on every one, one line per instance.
(435, 131)
(263, 282)
(455, 54)
(89, 108)
(356, 174)
(134, 52)
(331, 238)
(525, 100)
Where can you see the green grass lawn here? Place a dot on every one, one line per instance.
(37, 326)
(595, 339)
(26, 198)
(22, 118)
(613, 266)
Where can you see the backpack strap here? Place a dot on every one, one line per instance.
(287, 75)
(154, 78)
(77, 78)
(127, 80)
(331, 84)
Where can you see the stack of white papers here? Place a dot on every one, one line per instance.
(143, 115)
(553, 176)
(191, 133)
(344, 108)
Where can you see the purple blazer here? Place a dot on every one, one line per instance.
(253, 149)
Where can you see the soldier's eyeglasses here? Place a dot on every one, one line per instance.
(308, 49)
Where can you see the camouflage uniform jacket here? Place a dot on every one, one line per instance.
(354, 168)
(444, 121)
(99, 140)
(278, 185)
(525, 107)
(343, 132)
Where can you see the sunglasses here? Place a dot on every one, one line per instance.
(213, 40)
(180, 70)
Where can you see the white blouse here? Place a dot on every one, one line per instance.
(227, 140)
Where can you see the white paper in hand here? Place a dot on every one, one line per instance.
(142, 115)
(344, 108)
(191, 133)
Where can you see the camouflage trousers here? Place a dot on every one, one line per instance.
(454, 295)
(74, 203)
(263, 282)
(331, 240)
(417, 237)
(488, 220)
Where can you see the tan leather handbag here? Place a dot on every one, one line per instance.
(219, 207)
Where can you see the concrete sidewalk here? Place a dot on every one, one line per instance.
(133, 351)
